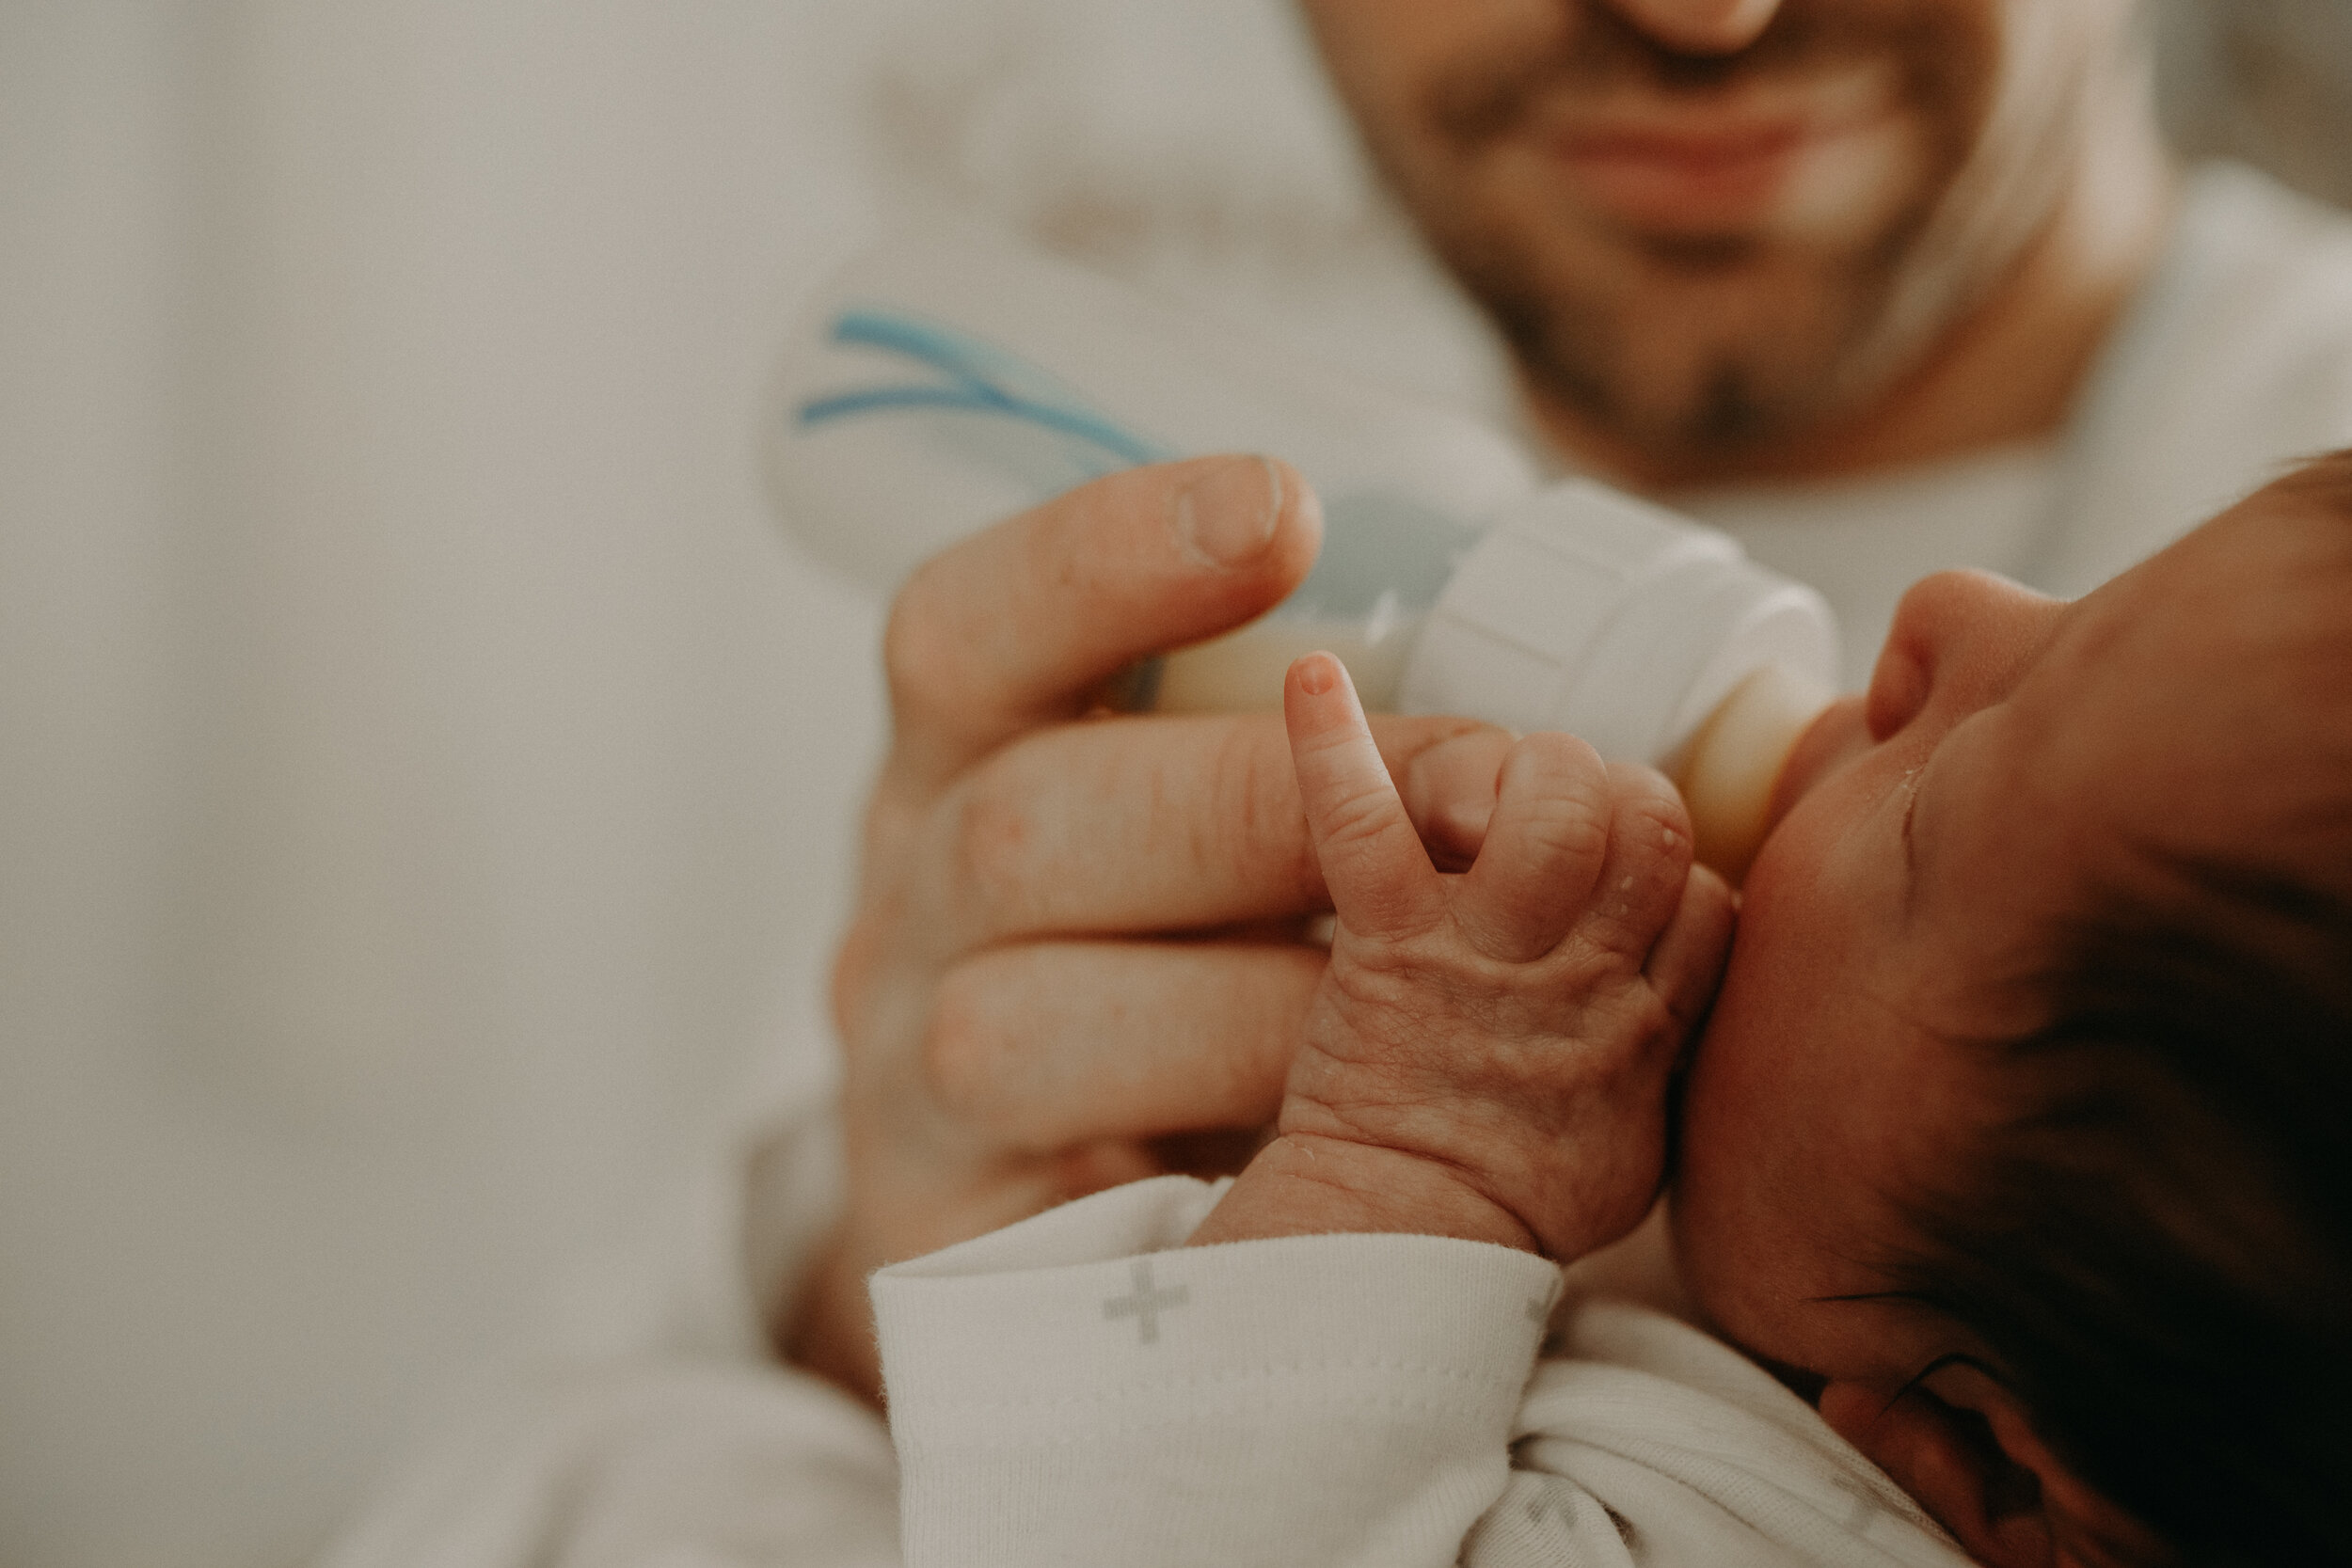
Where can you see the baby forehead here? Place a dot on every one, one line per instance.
(2262, 594)
(2208, 694)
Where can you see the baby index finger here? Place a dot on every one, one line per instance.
(1379, 876)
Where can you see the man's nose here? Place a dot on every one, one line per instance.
(1699, 26)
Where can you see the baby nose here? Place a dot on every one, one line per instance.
(1967, 636)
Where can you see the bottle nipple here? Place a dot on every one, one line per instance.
(1728, 769)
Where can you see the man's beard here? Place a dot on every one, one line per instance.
(1698, 350)
(1742, 388)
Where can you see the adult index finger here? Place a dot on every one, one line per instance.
(1018, 625)
(1156, 823)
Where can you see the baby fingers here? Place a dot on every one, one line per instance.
(1450, 793)
(1379, 876)
(1545, 846)
(1686, 963)
(1576, 848)
(1648, 866)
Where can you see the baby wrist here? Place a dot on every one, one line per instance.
(1306, 1185)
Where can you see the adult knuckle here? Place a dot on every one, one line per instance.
(852, 980)
(963, 1050)
(923, 657)
(993, 839)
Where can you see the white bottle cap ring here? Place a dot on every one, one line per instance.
(1586, 611)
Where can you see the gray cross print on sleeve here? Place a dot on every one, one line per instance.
(1146, 1305)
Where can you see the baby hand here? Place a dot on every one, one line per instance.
(1488, 1053)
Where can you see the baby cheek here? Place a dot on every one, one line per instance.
(1753, 1185)
(1714, 1203)
(1726, 1090)
(1758, 1082)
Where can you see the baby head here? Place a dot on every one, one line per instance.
(2015, 1132)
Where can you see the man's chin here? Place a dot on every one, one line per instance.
(1713, 352)
(1676, 438)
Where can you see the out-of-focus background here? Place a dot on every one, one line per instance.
(425, 774)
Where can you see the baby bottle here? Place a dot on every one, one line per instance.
(953, 378)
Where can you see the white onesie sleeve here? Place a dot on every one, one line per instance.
(1081, 1389)
(1071, 1391)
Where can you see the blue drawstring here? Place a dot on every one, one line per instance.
(980, 378)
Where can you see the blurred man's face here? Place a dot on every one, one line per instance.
(1697, 253)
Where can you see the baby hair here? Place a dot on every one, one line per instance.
(2156, 1241)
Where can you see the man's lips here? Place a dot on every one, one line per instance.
(1679, 179)
(1699, 153)
(1663, 165)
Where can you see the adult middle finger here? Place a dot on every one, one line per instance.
(1128, 825)
(1044, 1045)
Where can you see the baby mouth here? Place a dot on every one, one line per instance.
(1837, 736)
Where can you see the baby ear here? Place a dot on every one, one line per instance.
(1970, 1457)
(1948, 1458)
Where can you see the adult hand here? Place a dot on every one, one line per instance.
(1076, 932)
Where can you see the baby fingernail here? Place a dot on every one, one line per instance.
(1226, 517)
(1316, 673)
